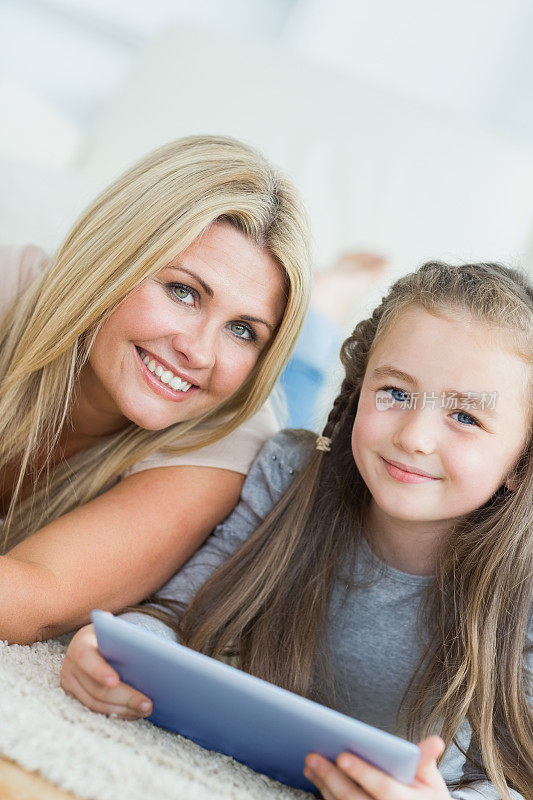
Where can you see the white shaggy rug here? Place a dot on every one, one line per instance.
(99, 758)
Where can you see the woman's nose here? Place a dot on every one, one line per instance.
(197, 346)
(416, 431)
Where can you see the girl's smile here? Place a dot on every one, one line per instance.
(407, 474)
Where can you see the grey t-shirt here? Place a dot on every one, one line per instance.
(374, 636)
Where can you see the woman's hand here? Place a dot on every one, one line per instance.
(351, 778)
(88, 677)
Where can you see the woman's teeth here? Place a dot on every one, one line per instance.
(165, 375)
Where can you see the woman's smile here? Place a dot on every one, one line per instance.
(162, 380)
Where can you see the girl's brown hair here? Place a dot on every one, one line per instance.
(268, 604)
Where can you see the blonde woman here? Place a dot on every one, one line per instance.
(135, 366)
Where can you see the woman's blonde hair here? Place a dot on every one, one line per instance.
(138, 224)
(268, 605)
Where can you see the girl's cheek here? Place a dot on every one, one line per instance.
(370, 422)
(473, 479)
(365, 431)
(487, 477)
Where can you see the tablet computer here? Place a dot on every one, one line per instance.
(222, 708)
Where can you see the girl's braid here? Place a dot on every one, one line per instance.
(339, 407)
(354, 357)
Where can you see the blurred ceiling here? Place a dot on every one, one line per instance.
(470, 58)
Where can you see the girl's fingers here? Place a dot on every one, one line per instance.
(88, 676)
(373, 781)
(95, 704)
(332, 782)
(428, 771)
(380, 786)
(122, 695)
(84, 653)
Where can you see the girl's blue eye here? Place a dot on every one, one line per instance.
(472, 420)
(242, 331)
(398, 394)
(182, 293)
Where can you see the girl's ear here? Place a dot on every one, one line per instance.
(512, 482)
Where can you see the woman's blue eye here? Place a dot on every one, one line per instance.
(472, 420)
(242, 331)
(398, 394)
(182, 293)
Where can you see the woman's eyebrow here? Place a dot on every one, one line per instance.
(207, 289)
(248, 318)
(210, 293)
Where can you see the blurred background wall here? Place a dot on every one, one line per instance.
(408, 127)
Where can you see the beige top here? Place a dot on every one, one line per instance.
(236, 452)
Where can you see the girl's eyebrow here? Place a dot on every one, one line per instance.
(210, 293)
(387, 370)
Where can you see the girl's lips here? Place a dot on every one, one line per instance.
(405, 477)
(160, 388)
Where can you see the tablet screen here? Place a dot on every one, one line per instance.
(224, 709)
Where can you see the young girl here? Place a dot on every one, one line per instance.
(159, 328)
(385, 568)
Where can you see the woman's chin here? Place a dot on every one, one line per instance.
(155, 418)
(151, 423)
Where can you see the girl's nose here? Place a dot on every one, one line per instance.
(196, 346)
(415, 432)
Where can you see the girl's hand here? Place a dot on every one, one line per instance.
(351, 778)
(89, 678)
